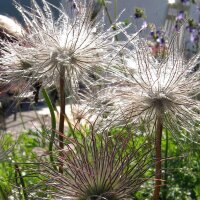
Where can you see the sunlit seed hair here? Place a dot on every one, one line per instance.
(166, 87)
(9, 27)
(73, 41)
(97, 166)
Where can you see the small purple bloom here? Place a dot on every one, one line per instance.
(186, 2)
(190, 29)
(152, 33)
(180, 15)
(158, 33)
(162, 41)
(193, 37)
(176, 27)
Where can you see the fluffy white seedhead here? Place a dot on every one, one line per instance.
(166, 87)
(74, 41)
(10, 26)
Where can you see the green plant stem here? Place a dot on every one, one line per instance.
(107, 12)
(62, 113)
(109, 18)
(71, 130)
(18, 185)
(158, 166)
(53, 123)
(22, 183)
(115, 9)
(166, 165)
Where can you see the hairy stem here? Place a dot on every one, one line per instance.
(158, 175)
(62, 113)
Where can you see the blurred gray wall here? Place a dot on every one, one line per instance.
(155, 9)
(7, 8)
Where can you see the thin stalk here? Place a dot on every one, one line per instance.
(115, 9)
(107, 12)
(18, 185)
(71, 130)
(109, 18)
(53, 124)
(166, 165)
(21, 117)
(62, 112)
(158, 166)
(41, 121)
(22, 183)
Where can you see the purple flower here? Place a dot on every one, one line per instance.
(198, 9)
(190, 29)
(186, 2)
(180, 16)
(194, 37)
(158, 33)
(176, 27)
(160, 40)
(152, 33)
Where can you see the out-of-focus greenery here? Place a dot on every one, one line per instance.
(182, 173)
(22, 153)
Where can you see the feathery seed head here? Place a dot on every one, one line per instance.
(98, 166)
(166, 87)
(75, 42)
(10, 27)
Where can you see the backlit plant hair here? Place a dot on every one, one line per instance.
(97, 165)
(61, 51)
(157, 92)
(72, 45)
(10, 28)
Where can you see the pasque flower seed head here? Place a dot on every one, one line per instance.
(165, 87)
(76, 42)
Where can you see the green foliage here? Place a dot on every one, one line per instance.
(22, 153)
(183, 166)
(139, 13)
(182, 172)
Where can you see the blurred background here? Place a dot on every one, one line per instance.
(155, 10)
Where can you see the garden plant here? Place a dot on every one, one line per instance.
(134, 101)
